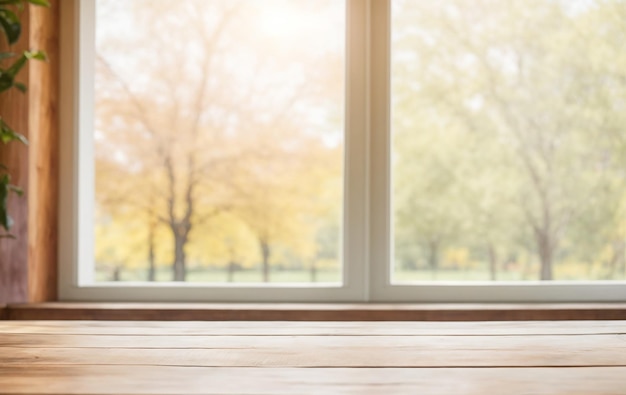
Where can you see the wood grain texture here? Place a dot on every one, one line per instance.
(317, 351)
(53, 357)
(315, 312)
(14, 252)
(44, 155)
(119, 380)
(243, 328)
(305, 353)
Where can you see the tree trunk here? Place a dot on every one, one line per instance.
(180, 269)
(151, 255)
(526, 268)
(493, 262)
(117, 273)
(433, 257)
(230, 276)
(546, 251)
(313, 271)
(265, 255)
(618, 252)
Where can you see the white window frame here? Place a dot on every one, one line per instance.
(367, 229)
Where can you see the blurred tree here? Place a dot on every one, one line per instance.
(218, 127)
(534, 110)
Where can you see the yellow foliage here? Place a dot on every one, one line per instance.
(123, 240)
(222, 240)
(457, 257)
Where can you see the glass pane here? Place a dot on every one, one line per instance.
(509, 140)
(219, 140)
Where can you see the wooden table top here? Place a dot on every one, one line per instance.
(127, 357)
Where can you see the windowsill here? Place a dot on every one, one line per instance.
(312, 312)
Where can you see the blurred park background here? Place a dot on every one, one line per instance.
(219, 140)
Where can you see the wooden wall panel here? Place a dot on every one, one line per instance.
(13, 252)
(28, 263)
(44, 152)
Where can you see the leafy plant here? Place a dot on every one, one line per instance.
(11, 26)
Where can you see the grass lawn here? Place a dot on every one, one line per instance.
(567, 272)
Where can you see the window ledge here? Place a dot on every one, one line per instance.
(312, 312)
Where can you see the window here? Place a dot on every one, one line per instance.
(230, 146)
(344, 150)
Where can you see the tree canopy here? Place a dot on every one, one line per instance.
(506, 118)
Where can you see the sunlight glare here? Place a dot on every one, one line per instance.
(283, 20)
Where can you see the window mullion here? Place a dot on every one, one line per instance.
(379, 148)
(355, 256)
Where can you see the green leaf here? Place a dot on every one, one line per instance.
(21, 87)
(6, 81)
(36, 55)
(19, 191)
(7, 77)
(17, 65)
(7, 134)
(6, 188)
(10, 23)
(5, 220)
(6, 2)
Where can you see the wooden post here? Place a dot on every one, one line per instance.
(44, 155)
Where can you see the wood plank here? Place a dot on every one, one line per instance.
(14, 252)
(586, 357)
(44, 155)
(317, 351)
(117, 380)
(261, 328)
(315, 312)
(545, 343)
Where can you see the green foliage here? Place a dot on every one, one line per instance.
(11, 26)
(509, 140)
(7, 134)
(5, 188)
(7, 76)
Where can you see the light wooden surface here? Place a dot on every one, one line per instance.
(43, 186)
(316, 311)
(129, 357)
